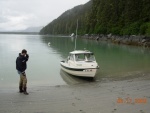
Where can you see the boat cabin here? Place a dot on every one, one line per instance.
(81, 55)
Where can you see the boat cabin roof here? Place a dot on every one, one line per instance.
(81, 52)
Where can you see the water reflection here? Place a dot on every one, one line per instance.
(60, 45)
(72, 80)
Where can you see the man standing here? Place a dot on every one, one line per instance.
(21, 66)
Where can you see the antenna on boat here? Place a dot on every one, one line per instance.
(76, 35)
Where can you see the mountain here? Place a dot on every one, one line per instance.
(29, 30)
(32, 29)
(119, 17)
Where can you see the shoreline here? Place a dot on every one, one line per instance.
(126, 40)
(98, 97)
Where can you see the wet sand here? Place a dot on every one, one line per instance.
(124, 96)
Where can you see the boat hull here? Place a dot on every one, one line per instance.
(82, 72)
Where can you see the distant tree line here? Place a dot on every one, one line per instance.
(118, 17)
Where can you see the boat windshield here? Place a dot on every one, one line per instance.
(89, 57)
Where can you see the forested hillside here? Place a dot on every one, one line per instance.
(120, 17)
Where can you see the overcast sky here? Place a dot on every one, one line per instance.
(21, 14)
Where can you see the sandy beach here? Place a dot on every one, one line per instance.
(123, 96)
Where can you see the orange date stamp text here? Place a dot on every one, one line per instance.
(129, 100)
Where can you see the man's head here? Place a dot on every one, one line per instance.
(24, 52)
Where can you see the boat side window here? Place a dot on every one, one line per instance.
(71, 57)
(68, 58)
(76, 57)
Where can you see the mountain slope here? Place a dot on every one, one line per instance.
(66, 23)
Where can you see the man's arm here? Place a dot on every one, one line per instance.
(25, 58)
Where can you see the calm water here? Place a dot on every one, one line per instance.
(44, 68)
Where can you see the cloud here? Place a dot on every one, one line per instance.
(20, 14)
(14, 20)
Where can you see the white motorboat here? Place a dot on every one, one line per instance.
(80, 63)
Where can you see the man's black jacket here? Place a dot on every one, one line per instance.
(21, 62)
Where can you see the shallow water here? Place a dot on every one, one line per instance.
(46, 52)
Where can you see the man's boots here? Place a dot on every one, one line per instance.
(20, 89)
(25, 91)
